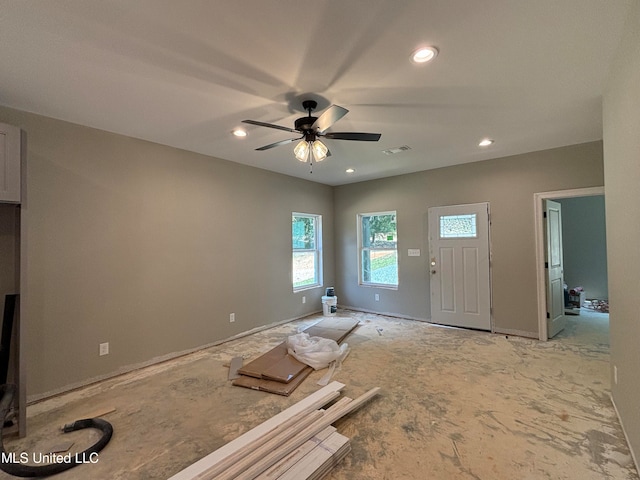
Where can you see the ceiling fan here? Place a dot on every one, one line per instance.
(311, 129)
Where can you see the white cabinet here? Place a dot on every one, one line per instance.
(10, 163)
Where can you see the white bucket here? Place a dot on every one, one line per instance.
(329, 306)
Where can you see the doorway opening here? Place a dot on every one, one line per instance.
(540, 239)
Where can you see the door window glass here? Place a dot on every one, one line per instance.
(458, 226)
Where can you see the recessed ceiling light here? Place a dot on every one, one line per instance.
(239, 132)
(485, 142)
(424, 54)
(350, 170)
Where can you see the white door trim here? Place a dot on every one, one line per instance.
(539, 234)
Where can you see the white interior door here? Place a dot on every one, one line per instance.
(459, 265)
(554, 267)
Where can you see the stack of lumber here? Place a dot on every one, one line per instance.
(298, 443)
(278, 372)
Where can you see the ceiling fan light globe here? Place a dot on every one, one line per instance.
(319, 150)
(302, 151)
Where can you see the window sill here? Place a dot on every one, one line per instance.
(379, 285)
(306, 287)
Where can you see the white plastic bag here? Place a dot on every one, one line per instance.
(316, 352)
(335, 366)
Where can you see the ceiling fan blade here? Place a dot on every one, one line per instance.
(330, 116)
(277, 144)
(269, 125)
(362, 137)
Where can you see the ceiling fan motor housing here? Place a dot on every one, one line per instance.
(304, 124)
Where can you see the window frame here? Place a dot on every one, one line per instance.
(318, 274)
(362, 248)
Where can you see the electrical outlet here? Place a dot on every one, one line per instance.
(104, 348)
(615, 374)
(304, 299)
(377, 297)
(232, 317)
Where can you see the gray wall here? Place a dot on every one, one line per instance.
(508, 184)
(584, 242)
(150, 248)
(621, 109)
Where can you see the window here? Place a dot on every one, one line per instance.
(458, 226)
(306, 237)
(378, 241)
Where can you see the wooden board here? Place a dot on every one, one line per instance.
(268, 454)
(279, 440)
(277, 470)
(320, 460)
(309, 402)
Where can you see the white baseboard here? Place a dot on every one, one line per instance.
(516, 333)
(386, 314)
(154, 361)
(633, 455)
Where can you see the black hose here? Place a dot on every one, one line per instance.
(12, 467)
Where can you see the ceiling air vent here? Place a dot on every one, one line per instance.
(393, 151)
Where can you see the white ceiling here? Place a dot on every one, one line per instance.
(529, 74)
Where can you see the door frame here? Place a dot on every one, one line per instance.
(538, 200)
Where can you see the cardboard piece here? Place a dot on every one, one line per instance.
(234, 366)
(269, 364)
(272, 386)
(278, 372)
(278, 365)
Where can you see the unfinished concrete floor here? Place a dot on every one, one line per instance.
(455, 404)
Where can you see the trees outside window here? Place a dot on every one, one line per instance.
(306, 236)
(378, 245)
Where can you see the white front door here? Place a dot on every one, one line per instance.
(459, 265)
(554, 267)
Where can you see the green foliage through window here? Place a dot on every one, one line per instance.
(307, 253)
(378, 249)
